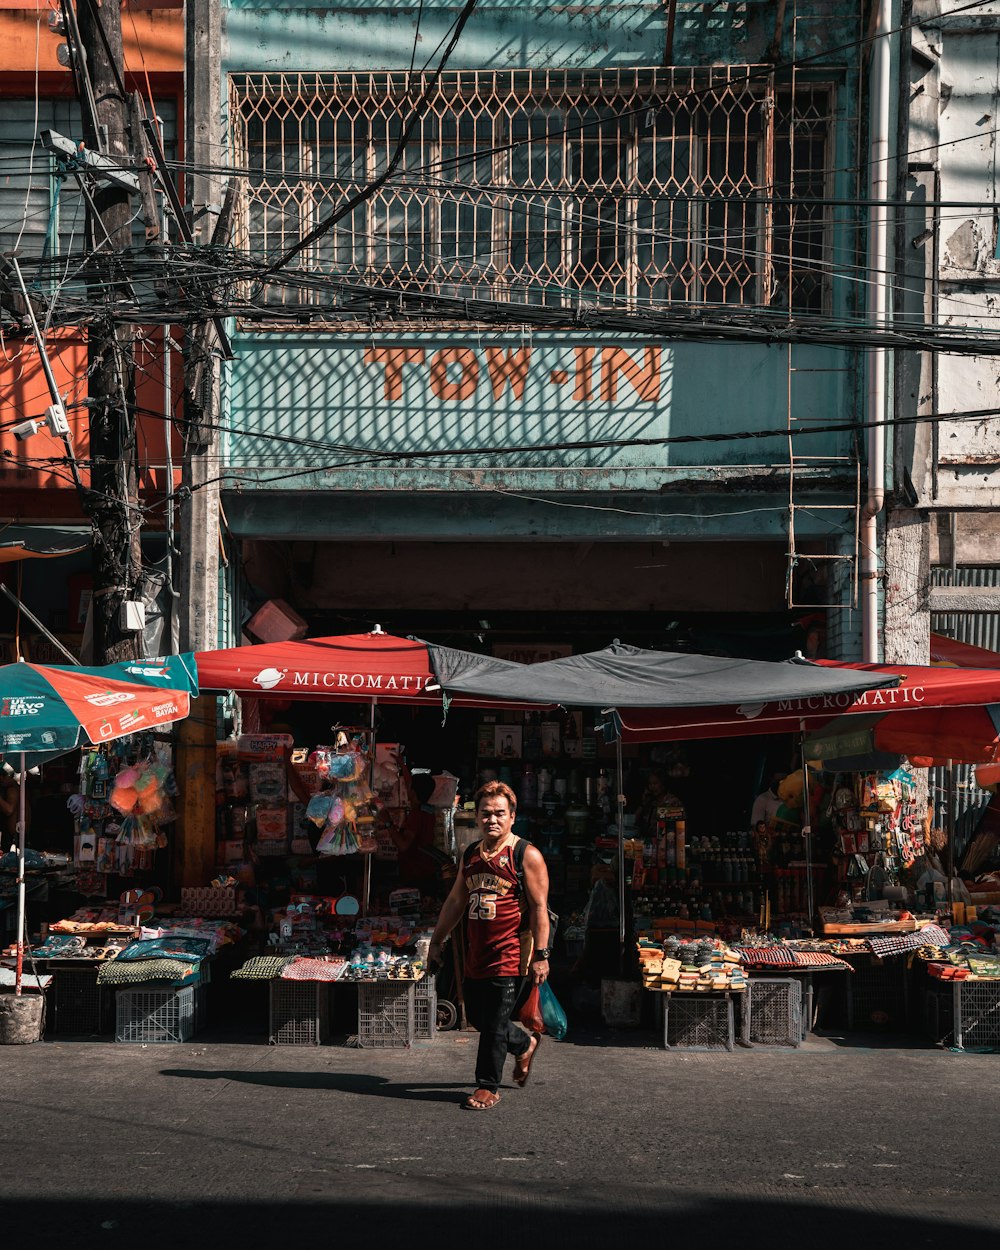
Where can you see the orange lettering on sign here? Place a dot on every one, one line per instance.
(508, 366)
(583, 386)
(465, 387)
(394, 358)
(645, 378)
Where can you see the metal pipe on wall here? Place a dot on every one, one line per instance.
(878, 302)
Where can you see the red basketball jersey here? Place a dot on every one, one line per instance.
(494, 915)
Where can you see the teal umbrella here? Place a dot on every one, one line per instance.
(48, 709)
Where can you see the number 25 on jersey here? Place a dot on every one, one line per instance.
(483, 907)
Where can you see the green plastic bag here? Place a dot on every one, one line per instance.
(552, 1012)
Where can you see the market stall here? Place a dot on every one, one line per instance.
(869, 809)
(48, 711)
(325, 838)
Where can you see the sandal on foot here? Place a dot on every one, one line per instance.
(481, 1100)
(522, 1065)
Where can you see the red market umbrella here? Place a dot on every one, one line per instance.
(934, 713)
(349, 668)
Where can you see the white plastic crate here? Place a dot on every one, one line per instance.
(698, 1022)
(425, 1010)
(151, 1016)
(976, 1014)
(299, 1013)
(386, 1015)
(771, 1012)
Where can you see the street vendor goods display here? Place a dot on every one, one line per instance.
(879, 828)
(701, 965)
(346, 808)
(123, 807)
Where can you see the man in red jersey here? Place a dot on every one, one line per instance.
(489, 891)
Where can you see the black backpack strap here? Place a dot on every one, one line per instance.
(520, 848)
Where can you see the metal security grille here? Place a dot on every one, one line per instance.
(559, 188)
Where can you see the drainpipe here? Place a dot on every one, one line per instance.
(878, 301)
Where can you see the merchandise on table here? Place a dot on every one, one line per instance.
(701, 965)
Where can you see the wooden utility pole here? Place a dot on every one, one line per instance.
(199, 508)
(111, 359)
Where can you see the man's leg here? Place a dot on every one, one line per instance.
(489, 1003)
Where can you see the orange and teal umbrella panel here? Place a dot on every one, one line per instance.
(50, 708)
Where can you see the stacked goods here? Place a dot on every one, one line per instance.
(694, 966)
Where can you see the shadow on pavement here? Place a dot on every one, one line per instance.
(505, 1217)
(336, 1082)
(874, 1041)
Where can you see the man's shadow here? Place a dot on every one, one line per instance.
(361, 1083)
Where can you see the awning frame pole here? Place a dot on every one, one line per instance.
(621, 849)
(807, 824)
(21, 898)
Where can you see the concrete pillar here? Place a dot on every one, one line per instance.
(907, 622)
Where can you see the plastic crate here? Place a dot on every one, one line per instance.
(771, 1012)
(876, 993)
(78, 1006)
(939, 1014)
(299, 1013)
(152, 1016)
(976, 1014)
(698, 1022)
(386, 1014)
(425, 1010)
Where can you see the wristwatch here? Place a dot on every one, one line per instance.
(541, 954)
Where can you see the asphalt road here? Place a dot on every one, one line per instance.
(614, 1142)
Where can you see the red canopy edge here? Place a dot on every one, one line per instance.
(949, 652)
(931, 709)
(345, 668)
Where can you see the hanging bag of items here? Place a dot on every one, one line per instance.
(346, 813)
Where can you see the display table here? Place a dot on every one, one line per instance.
(831, 927)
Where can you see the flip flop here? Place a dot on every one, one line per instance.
(481, 1100)
(521, 1075)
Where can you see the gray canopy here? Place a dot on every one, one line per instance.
(623, 676)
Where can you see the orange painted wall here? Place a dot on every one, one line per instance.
(153, 40)
(153, 36)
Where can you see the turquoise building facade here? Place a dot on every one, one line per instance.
(408, 458)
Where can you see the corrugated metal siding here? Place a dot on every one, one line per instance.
(979, 629)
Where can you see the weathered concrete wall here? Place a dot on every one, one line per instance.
(953, 153)
(906, 619)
